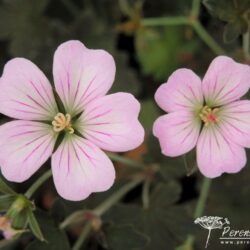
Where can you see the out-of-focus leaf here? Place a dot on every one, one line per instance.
(34, 226)
(169, 167)
(126, 79)
(125, 237)
(55, 238)
(166, 225)
(234, 12)
(233, 30)
(223, 9)
(5, 202)
(149, 113)
(8, 244)
(4, 188)
(166, 194)
(30, 33)
(96, 34)
(159, 50)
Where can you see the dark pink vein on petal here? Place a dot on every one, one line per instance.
(25, 133)
(51, 102)
(39, 93)
(28, 143)
(61, 155)
(28, 112)
(23, 104)
(68, 161)
(34, 150)
(37, 103)
(99, 115)
(229, 92)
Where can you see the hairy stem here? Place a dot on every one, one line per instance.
(38, 183)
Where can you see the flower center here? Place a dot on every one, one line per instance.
(62, 122)
(208, 115)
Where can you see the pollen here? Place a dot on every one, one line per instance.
(62, 122)
(209, 115)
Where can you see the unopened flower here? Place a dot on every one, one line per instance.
(6, 228)
(207, 114)
(89, 121)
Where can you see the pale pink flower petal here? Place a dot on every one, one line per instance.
(235, 122)
(225, 81)
(182, 91)
(26, 92)
(80, 168)
(216, 154)
(81, 74)
(177, 132)
(111, 122)
(24, 148)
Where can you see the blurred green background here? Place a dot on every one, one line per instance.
(145, 56)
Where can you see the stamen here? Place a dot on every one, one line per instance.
(62, 122)
(208, 115)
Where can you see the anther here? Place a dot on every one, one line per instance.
(62, 122)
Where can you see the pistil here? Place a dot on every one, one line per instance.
(209, 115)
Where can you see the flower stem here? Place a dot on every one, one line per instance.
(83, 236)
(100, 210)
(117, 196)
(195, 8)
(191, 20)
(38, 183)
(205, 187)
(246, 45)
(206, 37)
(126, 161)
(145, 194)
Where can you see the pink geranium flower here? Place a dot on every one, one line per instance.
(207, 114)
(90, 121)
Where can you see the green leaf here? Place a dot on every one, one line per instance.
(159, 50)
(167, 225)
(234, 12)
(4, 188)
(34, 226)
(233, 30)
(169, 167)
(6, 201)
(166, 194)
(8, 244)
(55, 238)
(149, 113)
(124, 237)
(223, 9)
